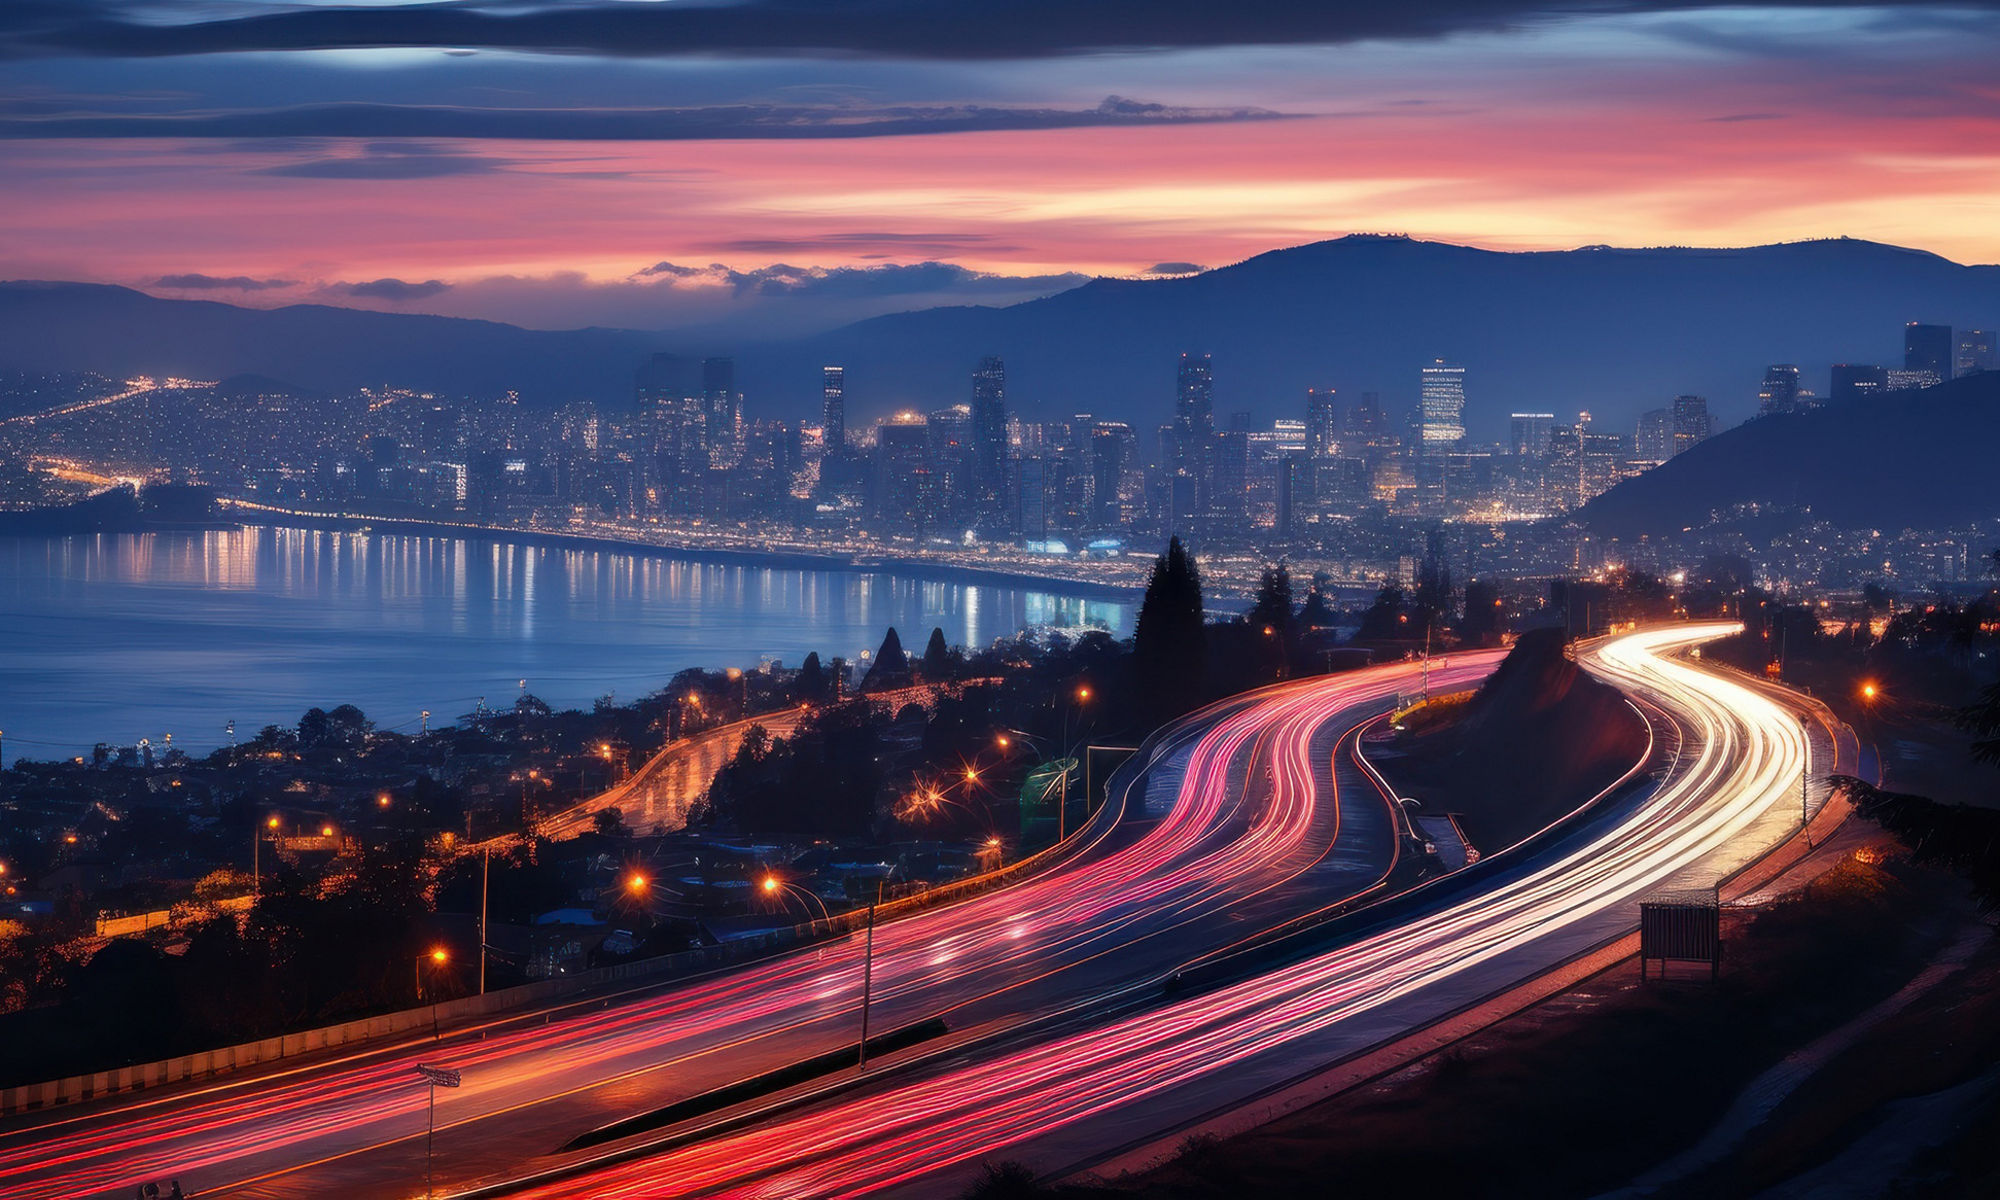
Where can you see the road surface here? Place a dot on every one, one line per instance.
(1233, 821)
(1730, 793)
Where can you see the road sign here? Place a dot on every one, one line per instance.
(438, 1076)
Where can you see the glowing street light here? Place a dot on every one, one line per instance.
(1868, 691)
(636, 883)
(770, 884)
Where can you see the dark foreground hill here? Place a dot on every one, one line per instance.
(1538, 739)
(1925, 459)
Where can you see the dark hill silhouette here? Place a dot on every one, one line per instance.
(1614, 331)
(1916, 459)
(119, 332)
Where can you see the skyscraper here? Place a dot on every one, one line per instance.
(1322, 423)
(1852, 381)
(1690, 422)
(1110, 451)
(833, 411)
(1975, 353)
(1191, 437)
(988, 438)
(1441, 416)
(1780, 392)
(1927, 351)
(1195, 403)
(1529, 433)
(722, 411)
(1654, 442)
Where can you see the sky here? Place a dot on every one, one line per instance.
(780, 166)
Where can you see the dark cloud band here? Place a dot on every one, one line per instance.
(914, 29)
(654, 124)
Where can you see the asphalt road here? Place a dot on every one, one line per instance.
(1727, 793)
(1235, 820)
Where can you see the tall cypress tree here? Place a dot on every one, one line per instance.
(1170, 643)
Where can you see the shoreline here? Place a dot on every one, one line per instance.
(806, 560)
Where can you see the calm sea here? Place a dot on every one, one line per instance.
(120, 637)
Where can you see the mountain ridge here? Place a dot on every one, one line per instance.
(1615, 330)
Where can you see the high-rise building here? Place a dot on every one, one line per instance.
(722, 411)
(1691, 422)
(906, 486)
(1322, 423)
(1529, 432)
(1229, 492)
(1780, 391)
(833, 410)
(1441, 414)
(988, 439)
(1852, 381)
(1190, 450)
(1111, 444)
(1927, 350)
(1295, 491)
(1976, 352)
(1194, 403)
(1654, 441)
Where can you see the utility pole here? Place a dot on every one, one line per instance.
(1427, 659)
(485, 866)
(868, 977)
(1805, 785)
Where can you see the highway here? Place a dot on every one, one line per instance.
(1235, 820)
(1729, 794)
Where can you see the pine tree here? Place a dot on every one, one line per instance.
(811, 683)
(937, 657)
(1169, 642)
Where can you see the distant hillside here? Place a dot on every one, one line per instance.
(119, 332)
(1613, 331)
(1920, 459)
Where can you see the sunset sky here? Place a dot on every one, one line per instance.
(649, 164)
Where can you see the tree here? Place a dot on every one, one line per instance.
(314, 728)
(892, 665)
(1273, 607)
(609, 822)
(1482, 612)
(1384, 620)
(937, 657)
(1317, 612)
(810, 686)
(1169, 642)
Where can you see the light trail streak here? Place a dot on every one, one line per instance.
(1745, 765)
(1213, 847)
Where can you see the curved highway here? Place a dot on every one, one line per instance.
(1730, 794)
(1236, 820)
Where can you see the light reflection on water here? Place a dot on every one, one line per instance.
(119, 637)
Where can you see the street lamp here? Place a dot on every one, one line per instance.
(256, 855)
(438, 957)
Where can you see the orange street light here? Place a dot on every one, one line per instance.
(326, 831)
(1004, 743)
(382, 801)
(1868, 690)
(271, 824)
(1268, 631)
(770, 883)
(636, 883)
(440, 955)
(1083, 693)
(971, 775)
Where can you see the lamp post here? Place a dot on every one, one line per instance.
(256, 855)
(438, 957)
